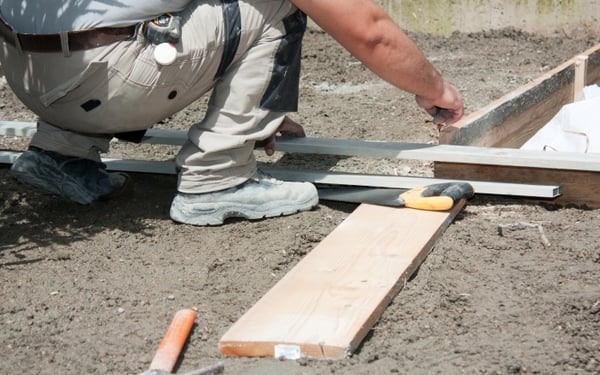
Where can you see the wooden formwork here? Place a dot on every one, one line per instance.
(513, 119)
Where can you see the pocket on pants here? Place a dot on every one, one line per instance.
(94, 76)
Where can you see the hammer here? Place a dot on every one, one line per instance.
(171, 345)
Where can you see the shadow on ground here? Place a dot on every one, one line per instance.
(31, 219)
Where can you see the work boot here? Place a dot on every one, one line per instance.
(260, 197)
(79, 180)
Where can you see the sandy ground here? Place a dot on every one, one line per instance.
(91, 289)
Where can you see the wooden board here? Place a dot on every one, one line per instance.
(326, 305)
(579, 188)
(513, 119)
(592, 75)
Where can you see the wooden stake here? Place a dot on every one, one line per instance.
(580, 75)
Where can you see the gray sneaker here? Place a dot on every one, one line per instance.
(79, 180)
(260, 197)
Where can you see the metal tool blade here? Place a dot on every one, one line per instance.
(352, 194)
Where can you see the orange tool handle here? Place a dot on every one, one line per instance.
(173, 341)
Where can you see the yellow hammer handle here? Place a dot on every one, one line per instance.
(430, 203)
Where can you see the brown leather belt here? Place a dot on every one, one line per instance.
(78, 40)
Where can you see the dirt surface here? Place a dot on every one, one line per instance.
(91, 289)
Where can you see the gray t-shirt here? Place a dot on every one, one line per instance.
(51, 16)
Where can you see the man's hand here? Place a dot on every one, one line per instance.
(371, 36)
(288, 128)
(447, 109)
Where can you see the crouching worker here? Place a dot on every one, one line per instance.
(101, 69)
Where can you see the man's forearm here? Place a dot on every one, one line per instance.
(396, 59)
(370, 35)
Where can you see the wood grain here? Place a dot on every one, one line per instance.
(325, 306)
(579, 188)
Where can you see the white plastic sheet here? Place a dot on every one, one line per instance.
(575, 128)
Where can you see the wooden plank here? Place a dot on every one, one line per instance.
(579, 80)
(324, 307)
(513, 119)
(593, 65)
(579, 188)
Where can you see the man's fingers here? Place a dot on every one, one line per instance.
(291, 128)
(269, 145)
(446, 116)
(447, 109)
(288, 128)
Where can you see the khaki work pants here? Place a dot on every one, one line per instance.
(85, 97)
